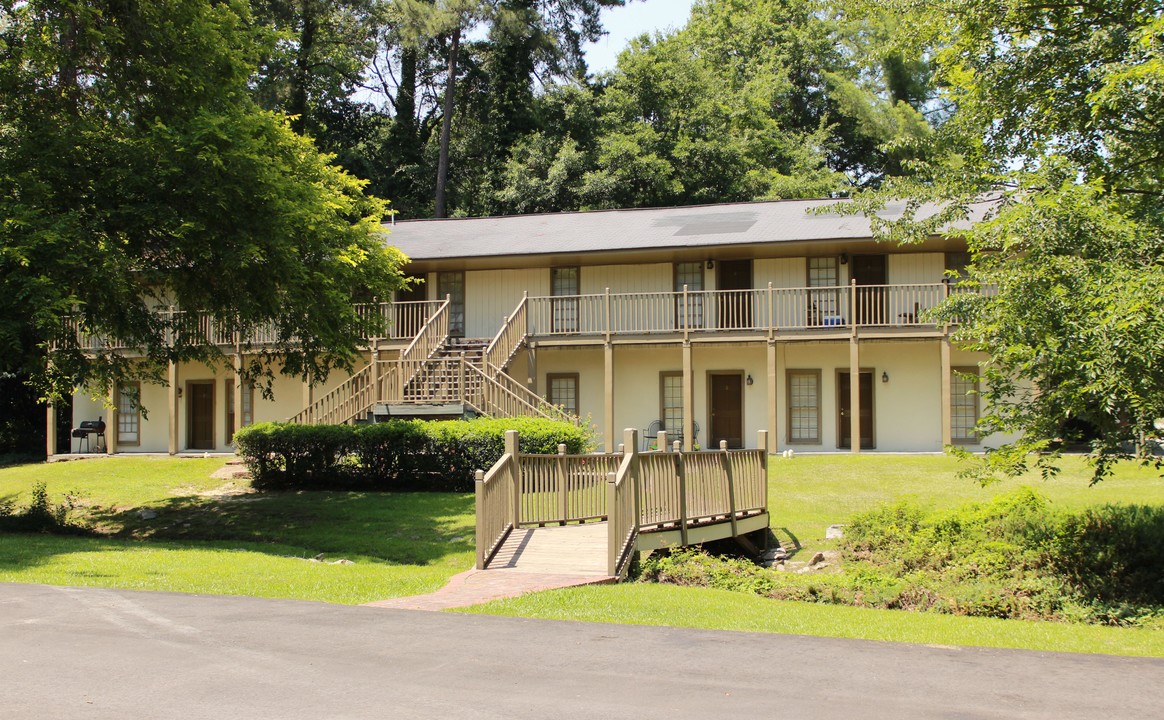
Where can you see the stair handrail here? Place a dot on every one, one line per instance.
(507, 382)
(510, 337)
(429, 339)
(342, 403)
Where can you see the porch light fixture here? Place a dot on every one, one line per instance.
(710, 264)
(884, 377)
(844, 258)
(750, 381)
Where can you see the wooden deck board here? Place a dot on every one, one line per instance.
(569, 549)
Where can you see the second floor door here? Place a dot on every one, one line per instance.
(734, 281)
(452, 286)
(565, 288)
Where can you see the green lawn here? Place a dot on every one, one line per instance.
(261, 544)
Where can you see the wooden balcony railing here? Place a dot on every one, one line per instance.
(403, 319)
(509, 338)
(768, 309)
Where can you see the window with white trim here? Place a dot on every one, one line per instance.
(129, 413)
(804, 409)
(671, 397)
(963, 405)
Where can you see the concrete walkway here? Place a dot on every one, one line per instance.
(474, 587)
(73, 653)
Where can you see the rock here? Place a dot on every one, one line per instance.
(146, 514)
(816, 559)
(834, 532)
(318, 558)
(342, 561)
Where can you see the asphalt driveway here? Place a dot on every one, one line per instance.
(93, 653)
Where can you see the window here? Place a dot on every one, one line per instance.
(956, 262)
(671, 401)
(562, 391)
(963, 405)
(248, 403)
(128, 413)
(804, 406)
(452, 285)
(564, 287)
(823, 305)
(689, 275)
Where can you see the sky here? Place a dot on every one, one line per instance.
(632, 20)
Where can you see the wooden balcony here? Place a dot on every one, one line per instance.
(729, 314)
(403, 319)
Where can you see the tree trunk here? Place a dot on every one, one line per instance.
(297, 105)
(447, 125)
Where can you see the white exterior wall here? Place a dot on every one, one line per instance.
(916, 268)
(655, 277)
(492, 295)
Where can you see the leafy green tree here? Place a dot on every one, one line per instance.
(1058, 139)
(138, 173)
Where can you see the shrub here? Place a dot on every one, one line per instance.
(1012, 557)
(397, 455)
(41, 514)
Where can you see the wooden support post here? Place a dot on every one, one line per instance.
(377, 377)
(772, 395)
(238, 392)
(854, 395)
(947, 393)
(762, 441)
(613, 524)
(661, 441)
(50, 428)
(688, 397)
(680, 472)
(563, 486)
(479, 487)
(608, 405)
(532, 364)
(725, 461)
(511, 450)
(111, 426)
(172, 409)
(607, 316)
(461, 389)
(630, 437)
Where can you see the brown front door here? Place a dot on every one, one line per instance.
(735, 307)
(726, 400)
(200, 415)
(870, 270)
(844, 410)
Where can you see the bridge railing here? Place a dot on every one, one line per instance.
(497, 501)
(635, 492)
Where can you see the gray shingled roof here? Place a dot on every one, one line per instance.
(647, 228)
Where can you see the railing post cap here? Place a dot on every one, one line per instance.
(479, 476)
(561, 448)
(677, 446)
(723, 444)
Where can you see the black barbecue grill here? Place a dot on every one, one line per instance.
(90, 428)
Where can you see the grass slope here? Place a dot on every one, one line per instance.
(260, 544)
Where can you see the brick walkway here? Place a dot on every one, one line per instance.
(474, 587)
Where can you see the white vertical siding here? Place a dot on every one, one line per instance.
(911, 268)
(781, 272)
(492, 295)
(656, 277)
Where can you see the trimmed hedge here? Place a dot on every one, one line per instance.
(398, 455)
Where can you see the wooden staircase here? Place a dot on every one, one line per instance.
(437, 376)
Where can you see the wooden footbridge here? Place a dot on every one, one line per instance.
(589, 514)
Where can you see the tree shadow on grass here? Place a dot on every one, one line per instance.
(396, 528)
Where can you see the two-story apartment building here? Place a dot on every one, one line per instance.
(710, 322)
